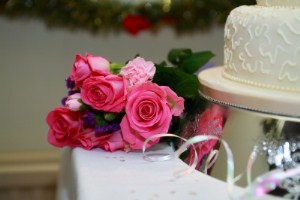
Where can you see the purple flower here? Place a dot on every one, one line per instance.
(69, 83)
(71, 92)
(108, 128)
(63, 101)
(89, 120)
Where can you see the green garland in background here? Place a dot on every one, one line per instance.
(110, 15)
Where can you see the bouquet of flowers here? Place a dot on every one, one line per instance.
(117, 106)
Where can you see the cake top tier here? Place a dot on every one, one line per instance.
(278, 2)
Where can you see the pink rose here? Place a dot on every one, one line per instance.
(106, 93)
(147, 113)
(88, 139)
(73, 102)
(138, 71)
(114, 142)
(83, 67)
(64, 125)
(176, 103)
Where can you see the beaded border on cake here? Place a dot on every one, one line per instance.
(277, 7)
(260, 85)
(222, 103)
(243, 107)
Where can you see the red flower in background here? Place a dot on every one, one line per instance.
(135, 24)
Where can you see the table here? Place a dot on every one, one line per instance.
(97, 174)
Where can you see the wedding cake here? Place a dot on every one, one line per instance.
(261, 59)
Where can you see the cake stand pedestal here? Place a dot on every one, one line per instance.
(275, 135)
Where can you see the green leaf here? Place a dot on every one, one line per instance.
(83, 106)
(100, 121)
(110, 116)
(115, 68)
(187, 87)
(183, 84)
(175, 56)
(194, 62)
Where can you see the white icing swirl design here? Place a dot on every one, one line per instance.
(262, 47)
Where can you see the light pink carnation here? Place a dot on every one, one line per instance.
(138, 71)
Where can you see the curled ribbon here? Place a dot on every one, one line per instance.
(210, 160)
(153, 157)
(230, 165)
(259, 187)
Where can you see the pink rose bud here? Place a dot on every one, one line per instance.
(73, 102)
(97, 63)
(84, 66)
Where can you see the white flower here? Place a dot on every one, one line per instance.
(73, 102)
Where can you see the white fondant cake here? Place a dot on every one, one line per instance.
(262, 46)
(278, 3)
(261, 59)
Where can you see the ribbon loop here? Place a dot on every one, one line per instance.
(154, 157)
(259, 187)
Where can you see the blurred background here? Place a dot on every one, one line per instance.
(36, 57)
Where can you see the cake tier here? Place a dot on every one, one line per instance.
(278, 2)
(262, 47)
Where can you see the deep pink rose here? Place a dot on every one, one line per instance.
(147, 113)
(64, 125)
(83, 67)
(88, 139)
(114, 142)
(138, 71)
(106, 93)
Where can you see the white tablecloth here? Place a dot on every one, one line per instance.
(96, 174)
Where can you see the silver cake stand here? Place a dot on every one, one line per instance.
(278, 125)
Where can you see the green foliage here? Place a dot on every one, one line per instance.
(107, 15)
(182, 83)
(181, 77)
(188, 61)
(115, 67)
(192, 63)
(110, 116)
(100, 121)
(175, 56)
